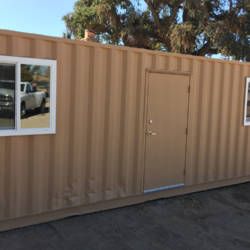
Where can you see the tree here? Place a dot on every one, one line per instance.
(36, 71)
(196, 27)
(26, 76)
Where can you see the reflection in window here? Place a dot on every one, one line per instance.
(35, 96)
(7, 96)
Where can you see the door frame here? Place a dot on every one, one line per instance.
(161, 71)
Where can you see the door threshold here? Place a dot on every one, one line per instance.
(163, 188)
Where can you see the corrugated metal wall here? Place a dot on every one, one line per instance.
(218, 143)
(97, 152)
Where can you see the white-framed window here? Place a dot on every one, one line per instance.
(27, 96)
(247, 103)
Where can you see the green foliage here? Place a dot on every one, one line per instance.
(197, 27)
(30, 73)
(26, 76)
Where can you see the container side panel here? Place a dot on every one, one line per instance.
(194, 126)
(24, 47)
(232, 118)
(98, 119)
(111, 126)
(3, 41)
(46, 49)
(217, 140)
(72, 182)
(118, 100)
(173, 63)
(123, 107)
(98, 151)
(38, 160)
(212, 132)
(203, 120)
(81, 120)
(54, 171)
(106, 182)
(139, 85)
(240, 133)
(190, 158)
(129, 136)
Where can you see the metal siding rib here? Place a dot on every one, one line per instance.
(114, 122)
(129, 122)
(206, 74)
(123, 95)
(99, 121)
(197, 123)
(3, 41)
(106, 191)
(211, 126)
(232, 115)
(224, 122)
(239, 133)
(72, 183)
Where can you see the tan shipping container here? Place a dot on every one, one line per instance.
(102, 156)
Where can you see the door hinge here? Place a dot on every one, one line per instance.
(186, 131)
(189, 89)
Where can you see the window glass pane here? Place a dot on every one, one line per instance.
(248, 104)
(35, 96)
(7, 96)
(22, 87)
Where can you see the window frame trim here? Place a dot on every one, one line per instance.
(246, 123)
(18, 61)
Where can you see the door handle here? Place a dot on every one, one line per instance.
(151, 133)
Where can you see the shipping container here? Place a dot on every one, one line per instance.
(131, 125)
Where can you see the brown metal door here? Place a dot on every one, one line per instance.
(167, 115)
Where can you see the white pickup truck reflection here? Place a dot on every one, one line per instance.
(7, 100)
(31, 99)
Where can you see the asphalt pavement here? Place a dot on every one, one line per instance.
(31, 120)
(214, 219)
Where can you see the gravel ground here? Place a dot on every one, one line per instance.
(214, 219)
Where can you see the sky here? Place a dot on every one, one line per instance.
(38, 17)
(34, 16)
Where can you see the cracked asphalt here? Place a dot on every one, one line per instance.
(214, 219)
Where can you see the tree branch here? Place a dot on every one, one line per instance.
(205, 49)
(163, 29)
(220, 17)
(155, 15)
(213, 51)
(230, 5)
(175, 10)
(185, 15)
